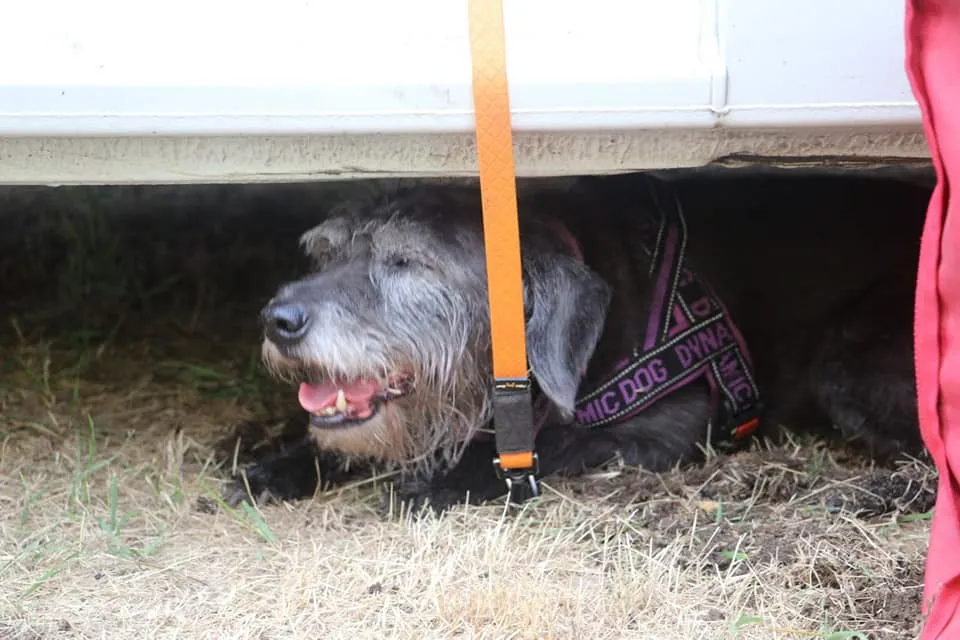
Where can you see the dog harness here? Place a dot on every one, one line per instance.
(689, 336)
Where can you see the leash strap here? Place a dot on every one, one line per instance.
(689, 335)
(512, 403)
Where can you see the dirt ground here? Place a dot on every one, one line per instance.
(129, 365)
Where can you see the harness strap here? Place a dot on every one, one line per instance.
(689, 335)
(512, 404)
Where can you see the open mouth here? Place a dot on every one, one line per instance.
(340, 404)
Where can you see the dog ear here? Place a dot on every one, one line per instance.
(566, 305)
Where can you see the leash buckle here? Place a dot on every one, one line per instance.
(745, 422)
(522, 483)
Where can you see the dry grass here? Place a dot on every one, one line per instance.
(123, 383)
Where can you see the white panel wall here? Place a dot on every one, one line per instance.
(108, 90)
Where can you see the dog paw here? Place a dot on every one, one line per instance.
(266, 483)
(418, 498)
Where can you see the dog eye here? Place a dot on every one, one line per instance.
(405, 262)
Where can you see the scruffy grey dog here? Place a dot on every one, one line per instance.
(388, 342)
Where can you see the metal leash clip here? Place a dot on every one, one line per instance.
(522, 483)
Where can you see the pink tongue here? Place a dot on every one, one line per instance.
(314, 397)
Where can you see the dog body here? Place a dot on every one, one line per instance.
(389, 338)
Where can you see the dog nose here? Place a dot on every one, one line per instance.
(285, 322)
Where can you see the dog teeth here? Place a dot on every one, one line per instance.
(330, 411)
(394, 392)
(341, 401)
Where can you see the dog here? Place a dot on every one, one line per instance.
(387, 339)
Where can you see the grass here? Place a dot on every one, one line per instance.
(122, 399)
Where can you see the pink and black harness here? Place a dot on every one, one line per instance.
(689, 336)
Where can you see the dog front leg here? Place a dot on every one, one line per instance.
(473, 480)
(658, 438)
(662, 436)
(563, 449)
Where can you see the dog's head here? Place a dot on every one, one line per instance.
(389, 339)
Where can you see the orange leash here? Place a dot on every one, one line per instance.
(513, 413)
